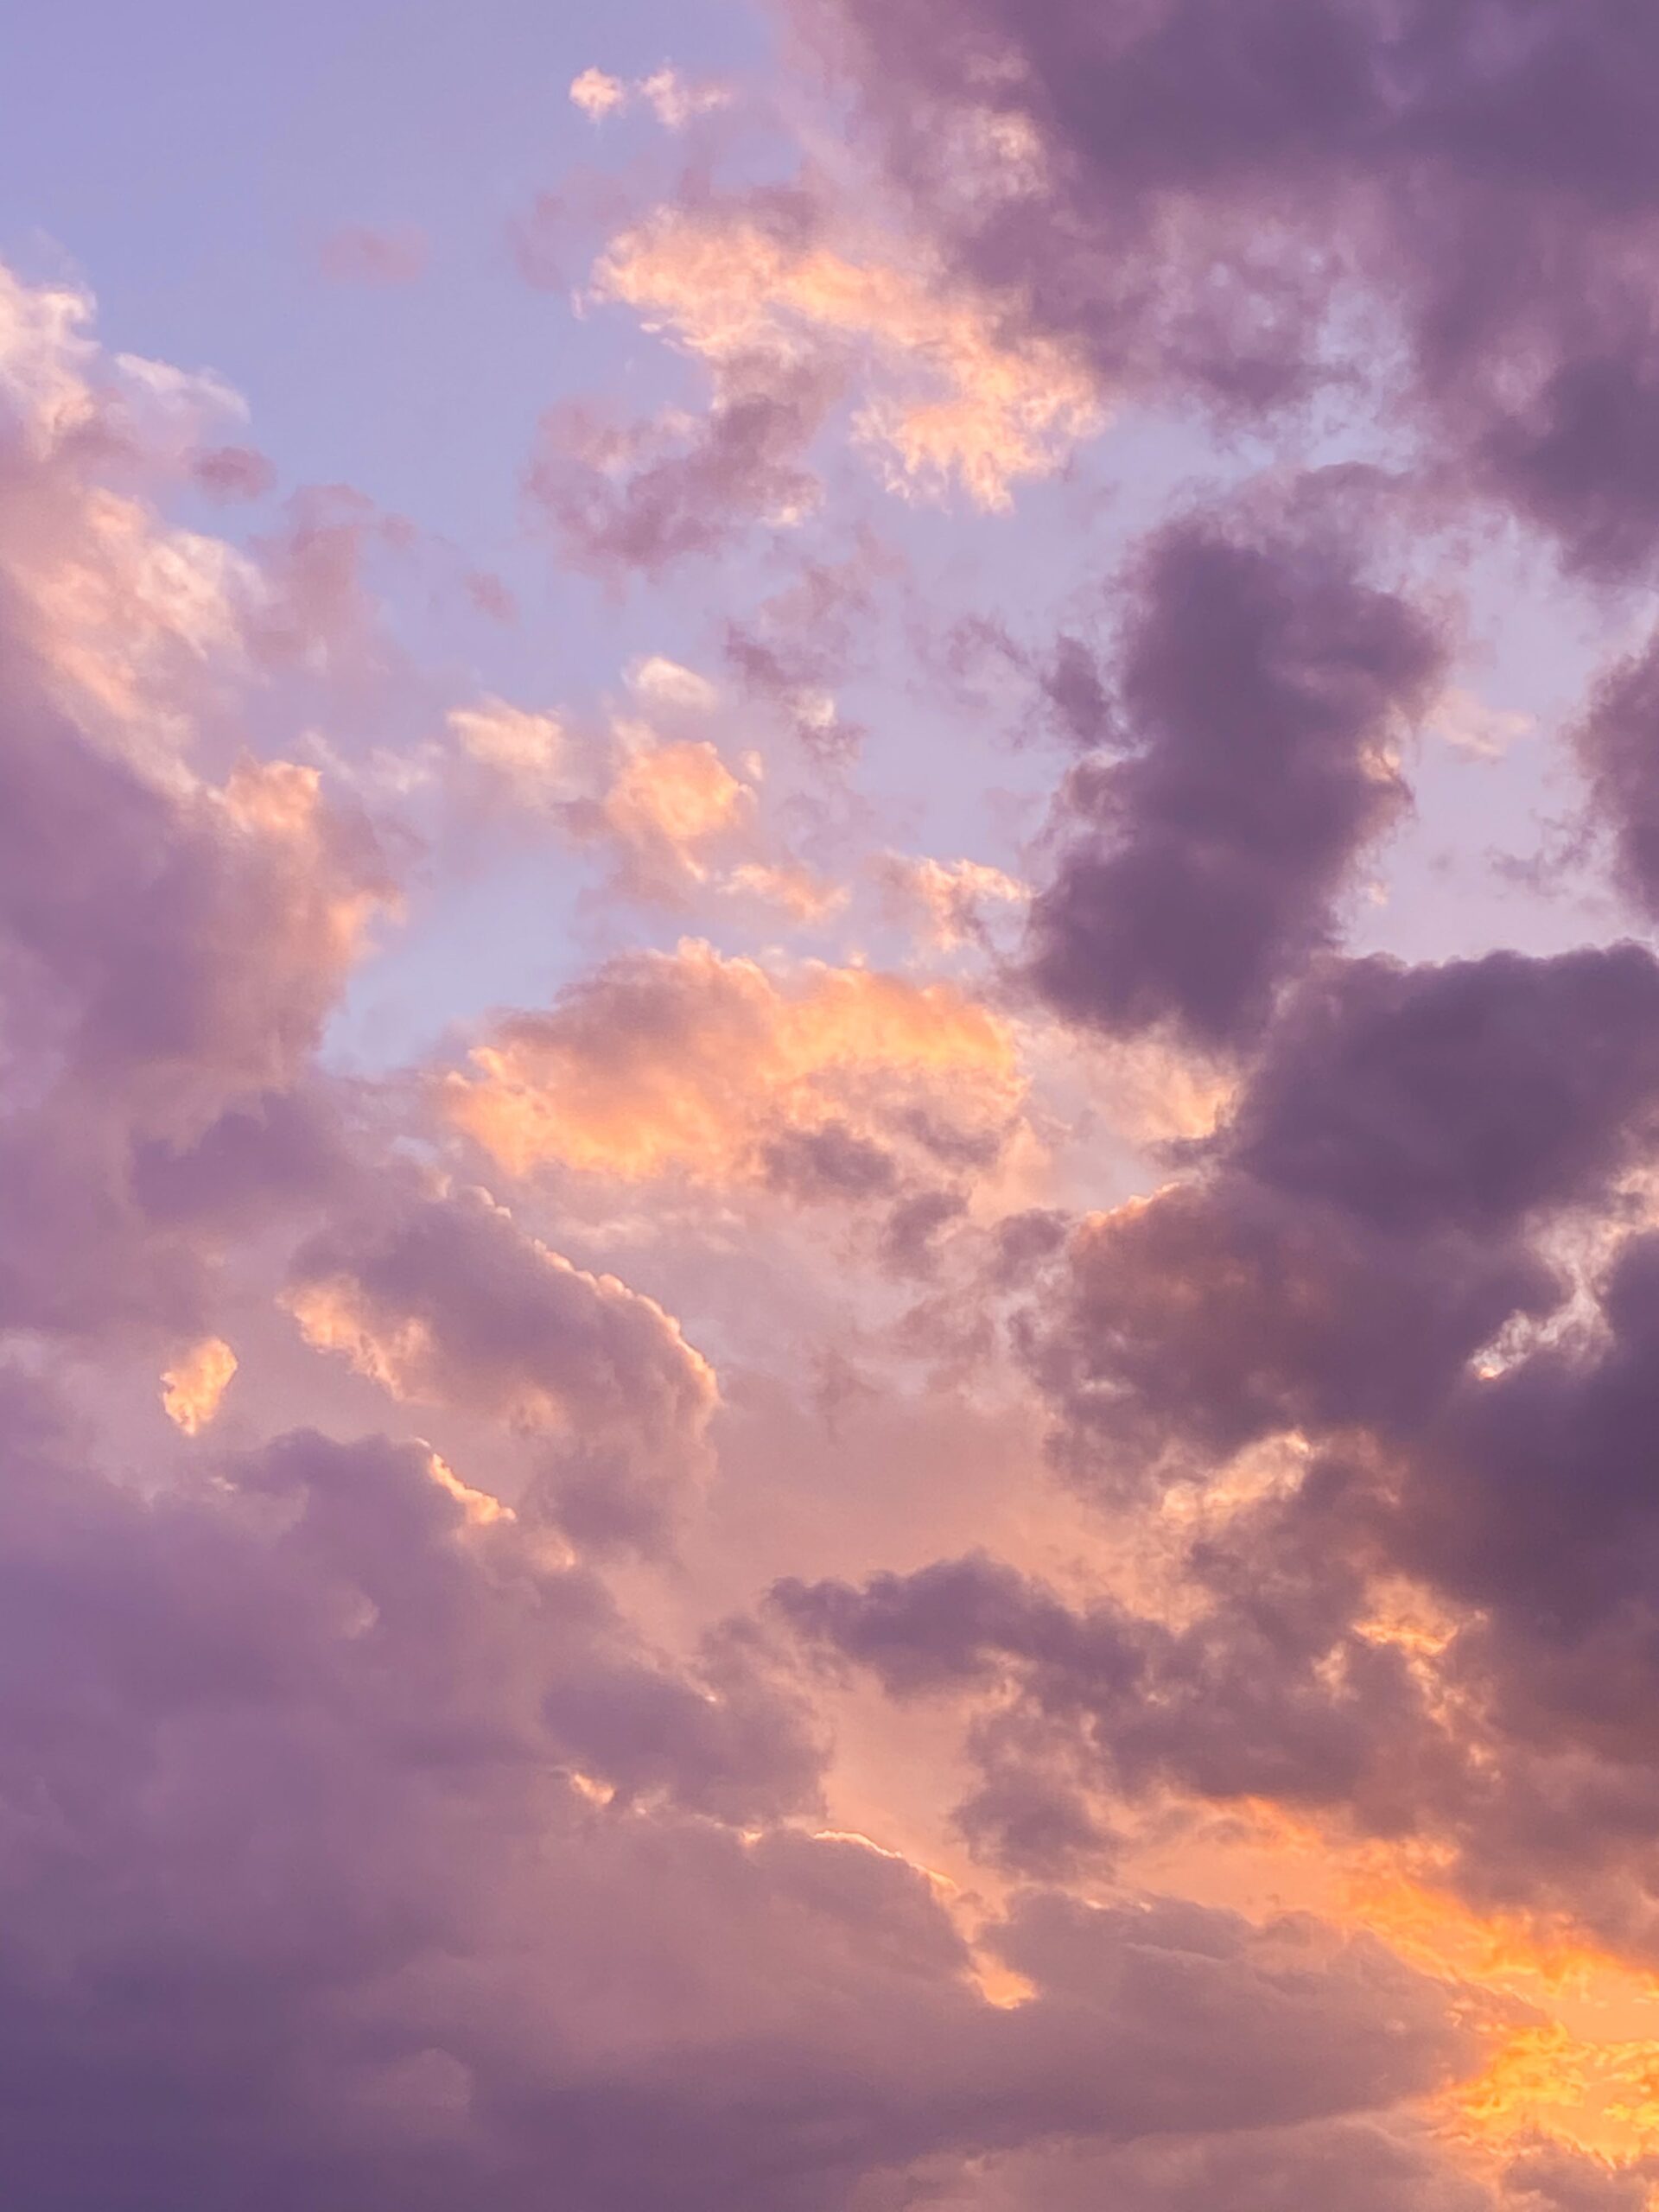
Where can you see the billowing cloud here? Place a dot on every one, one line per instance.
(646, 790)
(449, 1304)
(1219, 205)
(1265, 687)
(193, 1387)
(1013, 1567)
(736, 287)
(1396, 1329)
(382, 1864)
(173, 936)
(690, 1063)
(800, 314)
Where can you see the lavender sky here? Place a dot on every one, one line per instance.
(829, 1239)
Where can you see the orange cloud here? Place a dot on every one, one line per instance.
(125, 612)
(945, 397)
(691, 1062)
(528, 751)
(947, 897)
(193, 1387)
(670, 801)
(1579, 2058)
(674, 813)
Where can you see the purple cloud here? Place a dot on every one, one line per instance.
(1260, 682)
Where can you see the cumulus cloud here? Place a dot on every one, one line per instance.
(414, 1875)
(690, 1063)
(193, 1387)
(940, 1485)
(645, 789)
(734, 287)
(177, 922)
(949, 899)
(1411, 1265)
(1264, 690)
(1217, 206)
(799, 315)
(450, 1303)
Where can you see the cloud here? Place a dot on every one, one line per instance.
(948, 401)
(1263, 685)
(1471, 726)
(449, 1304)
(1391, 1338)
(673, 100)
(193, 1387)
(792, 650)
(1361, 2165)
(1226, 208)
(597, 94)
(949, 897)
(361, 254)
(675, 820)
(234, 472)
(1467, 1094)
(177, 919)
(413, 1872)
(528, 751)
(690, 1063)
(802, 314)
(1614, 742)
(645, 497)
(403, 1819)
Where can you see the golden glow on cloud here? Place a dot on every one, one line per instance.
(335, 1317)
(698, 1060)
(125, 611)
(481, 1510)
(672, 812)
(801, 895)
(528, 751)
(1579, 2060)
(950, 897)
(948, 398)
(400, 1352)
(193, 1387)
(679, 796)
(690, 1086)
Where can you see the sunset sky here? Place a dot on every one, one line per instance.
(829, 1171)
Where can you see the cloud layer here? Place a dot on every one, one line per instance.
(829, 1312)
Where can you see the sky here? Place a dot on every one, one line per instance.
(829, 1086)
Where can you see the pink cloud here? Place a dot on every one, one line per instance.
(360, 253)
